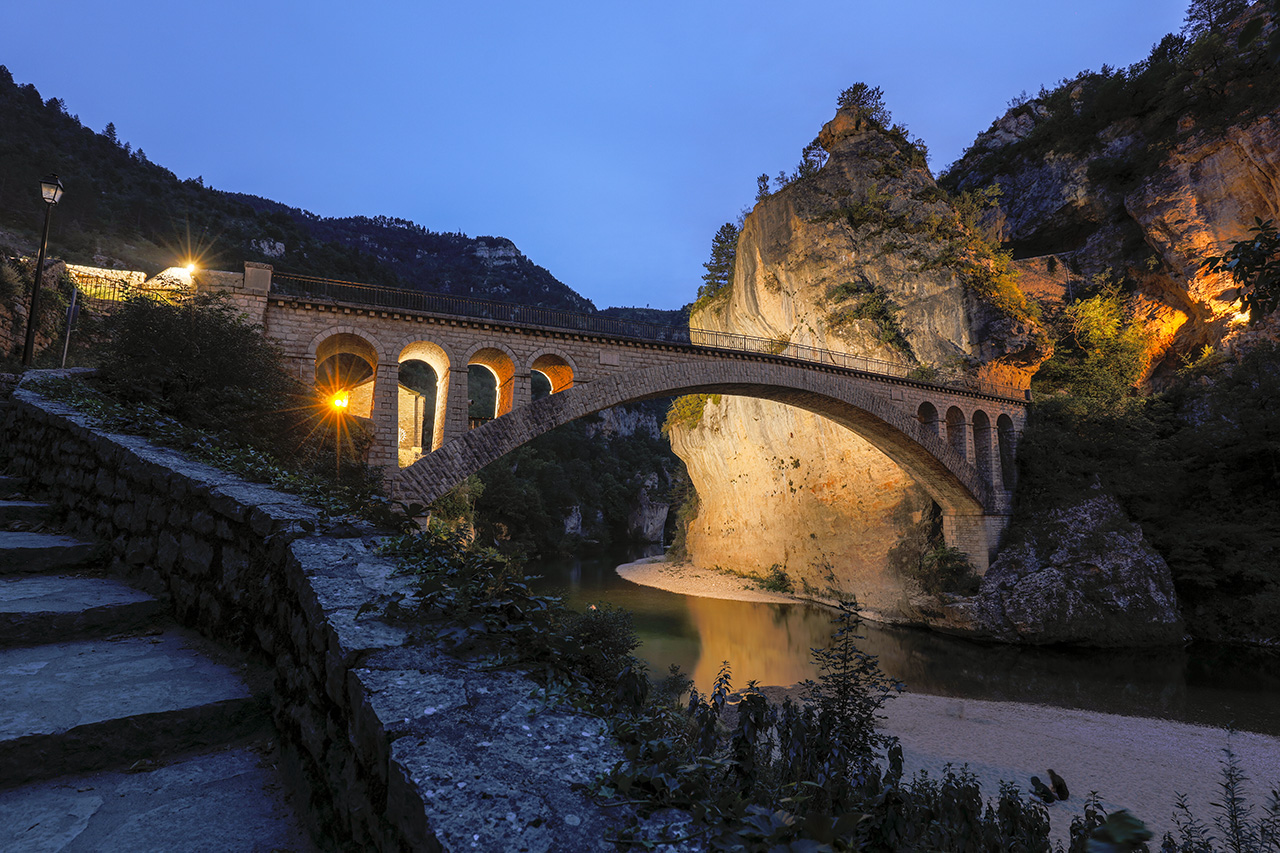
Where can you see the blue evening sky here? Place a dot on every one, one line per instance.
(608, 140)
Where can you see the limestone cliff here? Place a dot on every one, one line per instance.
(866, 256)
(1138, 175)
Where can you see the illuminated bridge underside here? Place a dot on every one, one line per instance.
(974, 509)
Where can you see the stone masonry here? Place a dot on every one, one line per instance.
(396, 746)
(957, 444)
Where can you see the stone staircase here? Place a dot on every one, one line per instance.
(119, 730)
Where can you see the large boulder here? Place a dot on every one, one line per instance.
(1085, 576)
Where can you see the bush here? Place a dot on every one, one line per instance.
(866, 100)
(686, 412)
(202, 364)
(946, 570)
(10, 283)
(777, 580)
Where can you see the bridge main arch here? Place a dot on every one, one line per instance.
(972, 511)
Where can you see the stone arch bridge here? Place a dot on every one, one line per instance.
(956, 439)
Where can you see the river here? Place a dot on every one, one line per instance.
(769, 643)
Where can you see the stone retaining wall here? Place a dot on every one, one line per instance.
(396, 746)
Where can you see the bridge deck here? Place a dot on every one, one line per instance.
(708, 341)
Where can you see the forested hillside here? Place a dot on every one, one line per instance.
(120, 209)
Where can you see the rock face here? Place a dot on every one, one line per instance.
(814, 260)
(1069, 219)
(648, 519)
(1086, 577)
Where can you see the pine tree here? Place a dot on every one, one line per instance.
(869, 100)
(1210, 16)
(110, 132)
(724, 252)
(762, 187)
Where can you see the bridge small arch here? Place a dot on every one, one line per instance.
(1006, 439)
(556, 368)
(982, 446)
(422, 400)
(956, 437)
(927, 415)
(501, 365)
(346, 367)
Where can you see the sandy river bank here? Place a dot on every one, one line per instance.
(1138, 763)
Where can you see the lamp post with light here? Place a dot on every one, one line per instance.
(51, 190)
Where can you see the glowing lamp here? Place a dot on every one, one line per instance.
(51, 189)
(339, 401)
(51, 192)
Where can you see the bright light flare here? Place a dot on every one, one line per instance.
(190, 268)
(339, 401)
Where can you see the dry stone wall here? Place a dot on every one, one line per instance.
(397, 746)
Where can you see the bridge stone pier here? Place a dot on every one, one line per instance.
(959, 443)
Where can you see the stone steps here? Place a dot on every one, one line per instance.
(228, 800)
(11, 485)
(120, 731)
(40, 608)
(23, 512)
(91, 705)
(23, 552)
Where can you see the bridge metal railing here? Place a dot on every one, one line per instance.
(396, 299)
(465, 306)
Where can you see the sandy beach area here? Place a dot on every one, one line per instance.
(1137, 763)
(690, 580)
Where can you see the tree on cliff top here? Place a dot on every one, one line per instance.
(724, 252)
(1211, 16)
(867, 100)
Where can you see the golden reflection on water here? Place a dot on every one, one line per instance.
(770, 645)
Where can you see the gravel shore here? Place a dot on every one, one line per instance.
(1137, 763)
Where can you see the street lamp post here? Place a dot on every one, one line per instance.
(51, 190)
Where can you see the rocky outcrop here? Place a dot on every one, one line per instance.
(866, 257)
(648, 519)
(1139, 201)
(1085, 576)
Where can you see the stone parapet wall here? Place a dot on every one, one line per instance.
(396, 746)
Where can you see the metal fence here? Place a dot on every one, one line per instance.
(321, 289)
(119, 291)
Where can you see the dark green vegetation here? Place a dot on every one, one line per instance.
(194, 376)
(1197, 466)
(718, 279)
(528, 494)
(857, 300)
(55, 296)
(1217, 72)
(121, 205)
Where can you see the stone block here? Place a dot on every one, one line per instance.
(140, 550)
(168, 548)
(197, 555)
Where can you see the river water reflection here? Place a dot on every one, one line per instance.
(770, 643)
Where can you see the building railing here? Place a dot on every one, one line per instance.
(396, 299)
